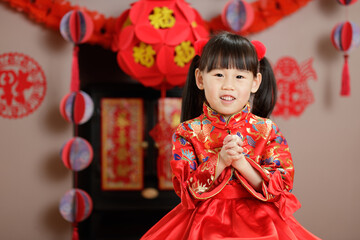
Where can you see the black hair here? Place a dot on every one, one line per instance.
(228, 50)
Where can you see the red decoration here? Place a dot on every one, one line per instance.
(155, 41)
(294, 94)
(49, 13)
(122, 128)
(345, 36)
(238, 15)
(77, 107)
(22, 85)
(346, 2)
(199, 46)
(76, 26)
(260, 49)
(266, 14)
(75, 206)
(169, 118)
(77, 154)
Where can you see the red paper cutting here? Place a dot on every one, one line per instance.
(22, 85)
(294, 94)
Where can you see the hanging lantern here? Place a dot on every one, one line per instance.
(77, 107)
(76, 26)
(346, 2)
(345, 36)
(76, 205)
(155, 41)
(77, 154)
(238, 15)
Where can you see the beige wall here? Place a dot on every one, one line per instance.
(324, 140)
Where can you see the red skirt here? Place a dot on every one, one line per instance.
(231, 214)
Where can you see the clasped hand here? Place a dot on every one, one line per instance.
(232, 152)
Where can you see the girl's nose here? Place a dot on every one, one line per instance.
(228, 84)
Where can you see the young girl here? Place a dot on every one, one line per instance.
(232, 167)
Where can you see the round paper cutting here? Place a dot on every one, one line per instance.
(22, 85)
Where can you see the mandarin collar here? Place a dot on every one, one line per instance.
(219, 121)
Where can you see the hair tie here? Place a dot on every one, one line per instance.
(259, 48)
(199, 46)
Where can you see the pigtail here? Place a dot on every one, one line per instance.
(192, 97)
(265, 98)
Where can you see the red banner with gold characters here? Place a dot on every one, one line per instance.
(122, 128)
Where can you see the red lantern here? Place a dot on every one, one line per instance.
(77, 107)
(238, 15)
(346, 2)
(155, 41)
(76, 26)
(77, 154)
(75, 206)
(345, 36)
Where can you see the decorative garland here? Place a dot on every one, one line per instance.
(266, 14)
(50, 12)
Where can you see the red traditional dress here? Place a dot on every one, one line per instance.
(229, 207)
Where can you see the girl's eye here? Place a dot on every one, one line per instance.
(239, 76)
(218, 75)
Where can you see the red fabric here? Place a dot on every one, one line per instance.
(345, 82)
(229, 207)
(287, 203)
(229, 215)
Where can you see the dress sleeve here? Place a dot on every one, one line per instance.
(275, 165)
(194, 182)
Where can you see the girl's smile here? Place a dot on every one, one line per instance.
(227, 90)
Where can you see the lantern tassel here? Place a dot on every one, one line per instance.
(75, 235)
(75, 80)
(345, 82)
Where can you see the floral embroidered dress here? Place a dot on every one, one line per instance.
(229, 207)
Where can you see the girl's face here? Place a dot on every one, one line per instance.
(227, 90)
